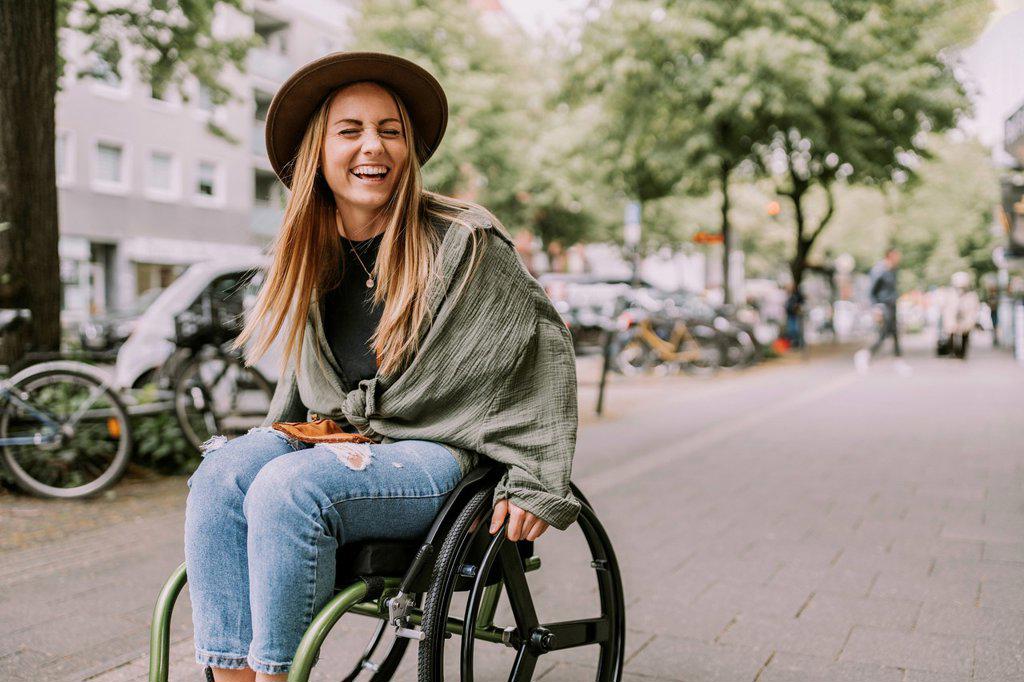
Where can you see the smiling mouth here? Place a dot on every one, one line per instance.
(374, 177)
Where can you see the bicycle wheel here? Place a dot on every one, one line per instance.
(634, 358)
(218, 395)
(85, 446)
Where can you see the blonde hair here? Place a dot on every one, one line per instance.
(306, 254)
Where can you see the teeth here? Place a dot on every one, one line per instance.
(370, 170)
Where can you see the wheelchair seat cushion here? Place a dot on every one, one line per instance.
(374, 558)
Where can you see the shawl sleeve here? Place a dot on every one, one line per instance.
(531, 426)
(286, 405)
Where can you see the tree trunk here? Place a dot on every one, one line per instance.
(726, 233)
(29, 264)
(798, 265)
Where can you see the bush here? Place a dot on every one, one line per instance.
(159, 443)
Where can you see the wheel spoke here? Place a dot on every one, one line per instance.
(522, 669)
(574, 633)
(518, 591)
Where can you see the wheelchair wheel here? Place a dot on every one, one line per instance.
(441, 654)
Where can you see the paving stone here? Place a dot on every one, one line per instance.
(834, 610)
(791, 635)
(951, 590)
(684, 659)
(997, 551)
(998, 661)
(781, 601)
(788, 667)
(927, 676)
(971, 621)
(1002, 594)
(893, 648)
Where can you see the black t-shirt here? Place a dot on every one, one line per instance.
(350, 317)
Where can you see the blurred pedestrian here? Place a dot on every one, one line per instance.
(992, 301)
(794, 316)
(959, 314)
(884, 295)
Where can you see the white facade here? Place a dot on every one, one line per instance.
(145, 188)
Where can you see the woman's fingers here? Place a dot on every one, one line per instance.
(537, 530)
(500, 510)
(522, 525)
(515, 525)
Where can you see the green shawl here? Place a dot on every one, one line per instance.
(494, 376)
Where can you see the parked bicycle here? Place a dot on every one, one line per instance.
(651, 342)
(64, 432)
(214, 392)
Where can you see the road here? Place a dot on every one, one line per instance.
(796, 521)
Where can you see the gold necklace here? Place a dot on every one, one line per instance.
(369, 275)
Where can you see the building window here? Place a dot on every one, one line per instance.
(163, 96)
(262, 100)
(110, 167)
(267, 190)
(162, 175)
(155, 276)
(64, 153)
(105, 80)
(206, 103)
(208, 187)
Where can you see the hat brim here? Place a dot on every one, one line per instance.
(299, 97)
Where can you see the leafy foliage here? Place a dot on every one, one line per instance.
(171, 40)
(159, 442)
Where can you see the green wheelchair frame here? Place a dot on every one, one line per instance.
(385, 580)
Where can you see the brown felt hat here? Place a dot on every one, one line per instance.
(299, 97)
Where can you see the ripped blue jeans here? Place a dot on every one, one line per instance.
(264, 519)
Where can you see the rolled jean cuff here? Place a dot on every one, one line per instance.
(272, 667)
(216, 659)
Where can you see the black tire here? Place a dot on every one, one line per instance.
(93, 450)
(201, 409)
(447, 572)
(442, 585)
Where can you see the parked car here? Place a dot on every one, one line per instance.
(231, 282)
(108, 332)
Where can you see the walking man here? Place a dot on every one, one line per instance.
(884, 294)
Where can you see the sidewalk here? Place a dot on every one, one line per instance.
(793, 522)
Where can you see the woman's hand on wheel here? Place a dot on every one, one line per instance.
(522, 525)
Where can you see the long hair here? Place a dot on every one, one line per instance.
(306, 253)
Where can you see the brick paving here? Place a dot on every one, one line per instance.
(793, 522)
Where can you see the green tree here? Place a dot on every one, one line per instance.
(168, 40)
(816, 92)
(941, 221)
(629, 67)
(476, 67)
(881, 84)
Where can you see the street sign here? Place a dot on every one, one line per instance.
(703, 237)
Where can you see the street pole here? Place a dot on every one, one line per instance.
(631, 236)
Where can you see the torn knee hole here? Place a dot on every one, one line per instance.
(213, 443)
(355, 456)
(280, 434)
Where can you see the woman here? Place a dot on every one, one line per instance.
(415, 343)
(959, 314)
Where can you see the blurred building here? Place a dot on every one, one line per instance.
(145, 185)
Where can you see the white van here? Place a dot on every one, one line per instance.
(230, 281)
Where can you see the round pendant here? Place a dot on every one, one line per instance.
(369, 283)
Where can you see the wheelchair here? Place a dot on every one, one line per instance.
(410, 584)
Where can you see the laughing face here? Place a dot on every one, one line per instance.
(364, 153)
